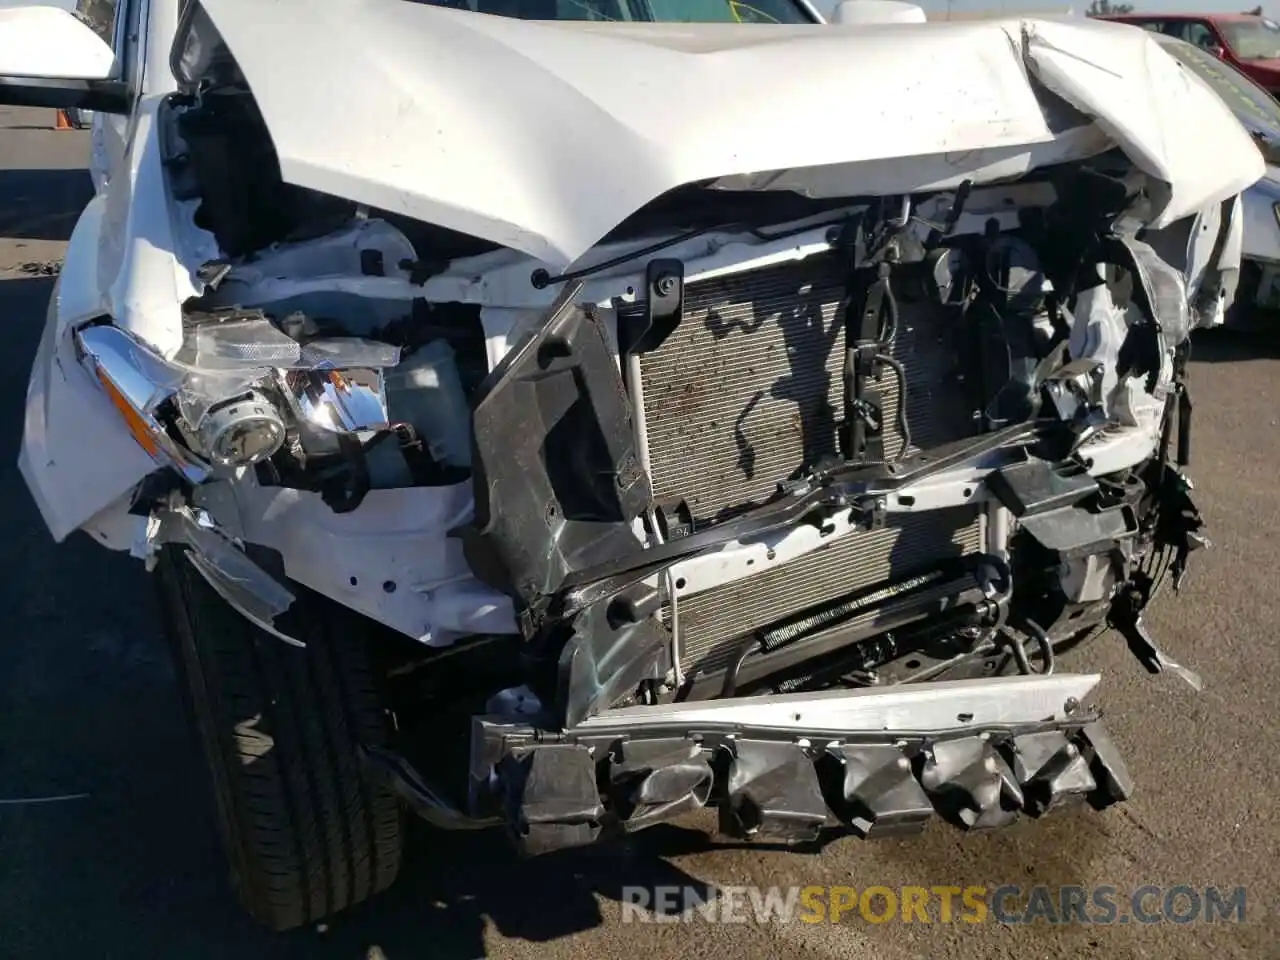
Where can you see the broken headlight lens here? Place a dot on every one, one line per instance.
(172, 412)
(216, 402)
(239, 341)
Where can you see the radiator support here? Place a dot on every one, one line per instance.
(743, 394)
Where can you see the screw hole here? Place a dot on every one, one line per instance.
(968, 492)
(965, 717)
(389, 586)
(680, 582)
(912, 664)
(353, 581)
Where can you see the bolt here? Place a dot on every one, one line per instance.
(665, 284)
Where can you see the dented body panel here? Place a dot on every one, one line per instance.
(768, 436)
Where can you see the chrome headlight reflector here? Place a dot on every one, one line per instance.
(242, 431)
(217, 398)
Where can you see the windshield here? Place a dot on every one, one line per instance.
(662, 11)
(1256, 39)
(1255, 108)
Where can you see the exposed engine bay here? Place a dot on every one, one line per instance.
(753, 452)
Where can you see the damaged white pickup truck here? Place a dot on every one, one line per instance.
(569, 425)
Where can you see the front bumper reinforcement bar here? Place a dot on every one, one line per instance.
(874, 762)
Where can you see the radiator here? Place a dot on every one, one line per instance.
(747, 392)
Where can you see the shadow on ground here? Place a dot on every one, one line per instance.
(1232, 346)
(127, 863)
(42, 204)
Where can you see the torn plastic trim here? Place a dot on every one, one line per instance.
(608, 655)
(246, 341)
(246, 587)
(557, 478)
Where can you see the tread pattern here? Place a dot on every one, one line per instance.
(306, 834)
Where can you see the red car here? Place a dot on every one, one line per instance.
(1250, 44)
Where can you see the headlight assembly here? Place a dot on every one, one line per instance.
(231, 392)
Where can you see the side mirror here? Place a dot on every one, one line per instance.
(48, 58)
(877, 11)
(51, 42)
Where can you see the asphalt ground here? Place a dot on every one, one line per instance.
(107, 845)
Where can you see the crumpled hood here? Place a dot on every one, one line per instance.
(544, 136)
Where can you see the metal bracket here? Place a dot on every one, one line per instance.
(876, 513)
(663, 308)
(861, 433)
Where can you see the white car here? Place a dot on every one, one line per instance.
(539, 416)
(1259, 281)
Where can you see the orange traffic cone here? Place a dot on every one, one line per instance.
(62, 121)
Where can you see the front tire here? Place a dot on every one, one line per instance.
(305, 833)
